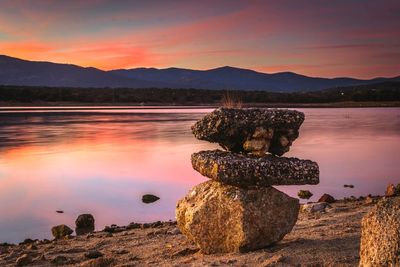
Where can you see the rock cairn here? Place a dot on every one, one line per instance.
(238, 209)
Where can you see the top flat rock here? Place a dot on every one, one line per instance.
(254, 131)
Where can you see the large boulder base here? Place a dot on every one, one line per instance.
(255, 131)
(222, 218)
(247, 170)
(380, 234)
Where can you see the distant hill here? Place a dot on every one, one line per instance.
(15, 71)
(230, 78)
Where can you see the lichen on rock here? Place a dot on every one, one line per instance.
(246, 170)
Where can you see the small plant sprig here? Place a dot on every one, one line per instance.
(231, 100)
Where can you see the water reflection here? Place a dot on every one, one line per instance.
(102, 163)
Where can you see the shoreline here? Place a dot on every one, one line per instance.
(4, 105)
(330, 237)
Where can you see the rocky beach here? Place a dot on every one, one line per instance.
(327, 237)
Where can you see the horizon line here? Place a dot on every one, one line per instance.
(209, 69)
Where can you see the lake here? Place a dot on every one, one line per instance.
(102, 160)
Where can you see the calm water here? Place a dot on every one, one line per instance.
(102, 161)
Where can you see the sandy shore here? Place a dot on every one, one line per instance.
(329, 238)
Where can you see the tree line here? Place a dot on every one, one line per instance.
(386, 91)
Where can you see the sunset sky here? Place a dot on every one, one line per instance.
(358, 38)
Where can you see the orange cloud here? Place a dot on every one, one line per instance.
(32, 50)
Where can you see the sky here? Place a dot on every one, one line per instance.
(356, 38)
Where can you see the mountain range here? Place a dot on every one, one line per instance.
(14, 71)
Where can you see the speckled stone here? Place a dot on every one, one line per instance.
(380, 234)
(222, 218)
(61, 231)
(84, 224)
(250, 130)
(247, 171)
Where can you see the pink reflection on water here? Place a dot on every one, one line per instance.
(102, 164)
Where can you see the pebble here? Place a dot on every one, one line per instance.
(304, 194)
(145, 225)
(174, 231)
(93, 254)
(315, 207)
(60, 260)
(45, 241)
(27, 241)
(134, 258)
(121, 251)
(23, 260)
(31, 247)
(157, 232)
(3, 250)
(133, 225)
(327, 198)
(369, 200)
(99, 262)
(89, 236)
(185, 252)
(41, 258)
(160, 232)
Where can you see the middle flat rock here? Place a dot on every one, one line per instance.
(222, 218)
(252, 171)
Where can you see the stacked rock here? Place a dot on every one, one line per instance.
(238, 209)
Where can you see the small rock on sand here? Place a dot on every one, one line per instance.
(93, 254)
(174, 231)
(369, 200)
(304, 194)
(23, 260)
(84, 224)
(326, 198)
(314, 207)
(60, 260)
(99, 262)
(61, 231)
